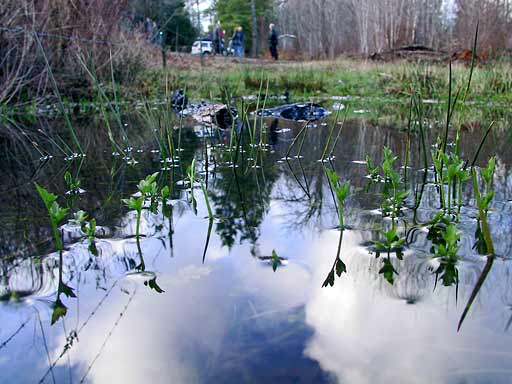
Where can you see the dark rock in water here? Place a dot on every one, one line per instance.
(296, 112)
(225, 117)
(179, 100)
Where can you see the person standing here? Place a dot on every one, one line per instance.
(217, 39)
(237, 42)
(273, 40)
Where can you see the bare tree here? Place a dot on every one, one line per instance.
(92, 28)
(495, 20)
(326, 28)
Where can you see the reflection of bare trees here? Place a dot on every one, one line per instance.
(103, 177)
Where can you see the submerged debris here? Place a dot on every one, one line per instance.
(220, 115)
(296, 112)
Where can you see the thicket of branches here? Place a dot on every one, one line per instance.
(94, 30)
(327, 28)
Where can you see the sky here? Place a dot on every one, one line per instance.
(203, 5)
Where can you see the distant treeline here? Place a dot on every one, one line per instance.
(327, 28)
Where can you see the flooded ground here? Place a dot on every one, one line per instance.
(240, 299)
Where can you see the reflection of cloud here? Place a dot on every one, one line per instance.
(181, 335)
(233, 313)
(364, 336)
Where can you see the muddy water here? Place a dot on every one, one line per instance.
(232, 318)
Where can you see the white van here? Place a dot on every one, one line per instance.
(204, 47)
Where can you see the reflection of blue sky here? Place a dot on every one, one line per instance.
(234, 319)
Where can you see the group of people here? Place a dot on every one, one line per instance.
(237, 41)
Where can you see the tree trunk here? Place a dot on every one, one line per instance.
(255, 41)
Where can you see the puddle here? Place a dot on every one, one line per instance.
(235, 294)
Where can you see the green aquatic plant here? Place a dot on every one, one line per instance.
(393, 197)
(388, 271)
(436, 228)
(391, 243)
(88, 228)
(73, 184)
(276, 261)
(148, 189)
(372, 170)
(149, 192)
(191, 174)
(151, 283)
(329, 137)
(484, 201)
(341, 191)
(56, 214)
(446, 251)
(136, 204)
(206, 200)
(393, 193)
(55, 211)
(483, 205)
(451, 177)
(210, 217)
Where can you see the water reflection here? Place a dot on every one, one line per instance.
(232, 318)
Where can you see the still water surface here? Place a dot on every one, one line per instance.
(232, 319)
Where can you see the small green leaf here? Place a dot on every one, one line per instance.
(92, 248)
(164, 193)
(80, 217)
(153, 285)
(275, 260)
(379, 246)
(68, 178)
(134, 203)
(59, 310)
(57, 213)
(67, 290)
(340, 267)
(451, 235)
(48, 198)
(388, 271)
(343, 191)
(329, 280)
(333, 177)
(391, 236)
(92, 228)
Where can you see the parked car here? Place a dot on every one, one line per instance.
(204, 47)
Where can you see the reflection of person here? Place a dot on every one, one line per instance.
(238, 42)
(273, 132)
(272, 42)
